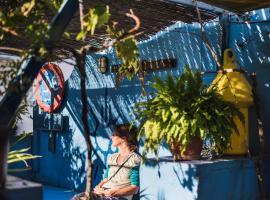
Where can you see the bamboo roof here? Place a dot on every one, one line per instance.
(154, 16)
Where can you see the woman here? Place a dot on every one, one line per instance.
(121, 183)
(122, 175)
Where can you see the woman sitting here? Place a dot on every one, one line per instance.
(122, 175)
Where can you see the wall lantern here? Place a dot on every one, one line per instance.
(103, 64)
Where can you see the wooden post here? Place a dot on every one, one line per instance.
(4, 148)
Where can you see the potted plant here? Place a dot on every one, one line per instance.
(184, 113)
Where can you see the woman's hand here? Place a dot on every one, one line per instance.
(97, 187)
(109, 192)
(98, 190)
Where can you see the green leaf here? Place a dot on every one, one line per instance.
(18, 151)
(19, 169)
(194, 125)
(165, 115)
(27, 7)
(56, 4)
(97, 17)
(67, 35)
(175, 115)
(127, 51)
(80, 35)
(22, 158)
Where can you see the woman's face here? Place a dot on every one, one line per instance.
(116, 140)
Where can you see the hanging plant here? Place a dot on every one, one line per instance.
(182, 110)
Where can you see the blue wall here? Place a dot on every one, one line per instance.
(202, 180)
(109, 106)
(251, 43)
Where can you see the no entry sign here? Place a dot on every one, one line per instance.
(49, 89)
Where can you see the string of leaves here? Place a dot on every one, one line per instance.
(126, 48)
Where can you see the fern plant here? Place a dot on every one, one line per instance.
(183, 108)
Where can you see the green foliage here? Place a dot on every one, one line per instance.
(27, 7)
(20, 112)
(8, 71)
(20, 155)
(54, 4)
(33, 16)
(127, 51)
(126, 48)
(27, 20)
(184, 108)
(97, 16)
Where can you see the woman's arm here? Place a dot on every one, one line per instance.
(125, 191)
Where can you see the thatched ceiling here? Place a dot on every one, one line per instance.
(154, 15)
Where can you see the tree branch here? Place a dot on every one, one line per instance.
(136, 19)
(126, 34)
(205, 38)
(12, 32)
(11, 50)
(81, 15)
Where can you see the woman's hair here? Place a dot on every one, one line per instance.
(128, 133)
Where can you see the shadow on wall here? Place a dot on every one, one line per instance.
(251, 44)
(64, 167)
(106, 108)
(187, 180)
(109, 106)
(170, 179)
(73, 158)
(184, 43)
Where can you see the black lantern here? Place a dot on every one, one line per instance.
(103, 64)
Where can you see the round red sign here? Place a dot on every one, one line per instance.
(49, 89)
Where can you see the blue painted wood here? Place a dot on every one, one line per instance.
(251, 45)
(203, 180)
(56, 193)
(48, 122)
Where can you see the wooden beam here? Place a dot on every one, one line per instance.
(150, 66)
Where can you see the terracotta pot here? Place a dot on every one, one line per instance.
(193, 151)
